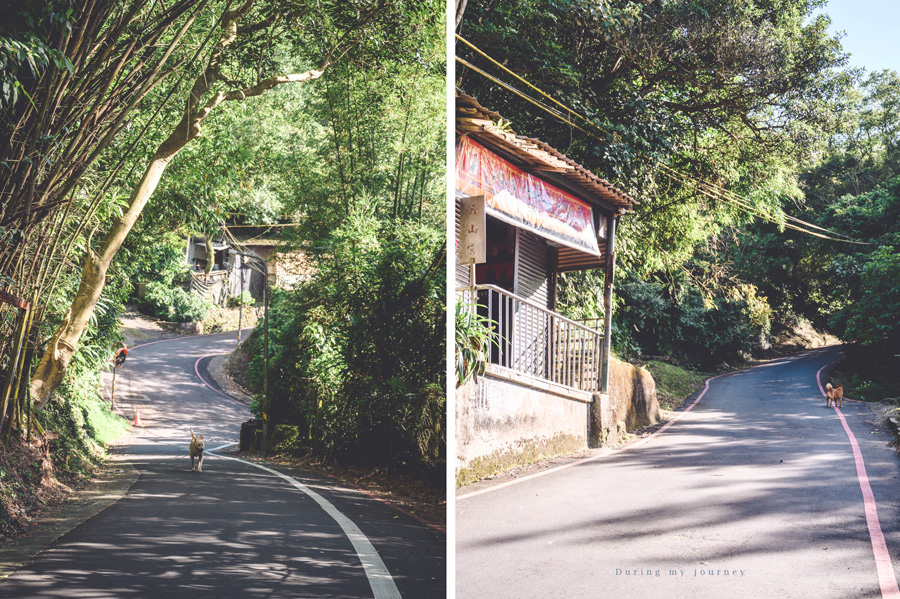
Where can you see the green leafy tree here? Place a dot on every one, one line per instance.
(875, 315)
(329, 32)
(357, 354)
(739, 94)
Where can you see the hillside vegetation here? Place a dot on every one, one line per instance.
(320, 126)
(766, 169)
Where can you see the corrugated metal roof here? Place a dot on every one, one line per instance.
(487, 128)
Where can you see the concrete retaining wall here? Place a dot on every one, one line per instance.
(506, 420)
(631, 404)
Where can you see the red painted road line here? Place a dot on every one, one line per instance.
(886, 577)
(203, 380)
(883, 564)
(184, 337)
(646, 439)
(133, 347)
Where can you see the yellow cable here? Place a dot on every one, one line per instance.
(703, 187)
(519, 93)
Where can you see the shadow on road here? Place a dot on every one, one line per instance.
(760, 472)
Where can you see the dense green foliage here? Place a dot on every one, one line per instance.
(80, 415)
(850, 288)
(243, 299)
(751, 96)
(351, 161)
(24, 50)
(736, 92)
(357, 353)
(164, 270)
(358, 350)
(473, 338)
(176, 304)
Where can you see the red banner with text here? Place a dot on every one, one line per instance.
(523, 200)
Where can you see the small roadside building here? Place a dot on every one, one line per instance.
(232, 273)
(525, 213)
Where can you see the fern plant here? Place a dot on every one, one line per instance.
(474, 335)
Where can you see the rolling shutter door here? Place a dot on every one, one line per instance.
(531, 281)
(530, 326)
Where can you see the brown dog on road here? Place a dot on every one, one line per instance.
(834, 395)
(197, 446)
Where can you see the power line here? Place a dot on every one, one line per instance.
(710, 190)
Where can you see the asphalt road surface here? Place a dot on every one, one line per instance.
(752, 493)
(233, 530)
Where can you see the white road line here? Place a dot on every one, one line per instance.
(380, 579)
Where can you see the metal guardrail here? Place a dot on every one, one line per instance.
(535, 341)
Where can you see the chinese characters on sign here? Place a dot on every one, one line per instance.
(472, 231)
(523, 200)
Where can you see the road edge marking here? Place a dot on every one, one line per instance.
(369, 494)
(205, 382)
(188, 337)
(380, 579)
(887, 580)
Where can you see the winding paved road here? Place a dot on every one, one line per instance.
(753, 493)
(235, 530)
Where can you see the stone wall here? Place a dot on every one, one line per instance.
(631, 403)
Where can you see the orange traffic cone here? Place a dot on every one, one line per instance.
(137, 417)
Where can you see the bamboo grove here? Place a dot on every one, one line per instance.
(68, 96)
(97, 100)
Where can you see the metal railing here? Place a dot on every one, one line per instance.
(535, 341)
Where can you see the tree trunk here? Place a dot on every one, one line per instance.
(460, 11)
(210, 256)
(51, 370)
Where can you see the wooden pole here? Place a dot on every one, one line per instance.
(30, 413)
(241, 300)
(13, 365)
(24, 366)
(607, 301)
(266, 360)
(112, 394)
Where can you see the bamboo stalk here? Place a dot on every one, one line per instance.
(11, 373)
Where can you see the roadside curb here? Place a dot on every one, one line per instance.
(100, 493)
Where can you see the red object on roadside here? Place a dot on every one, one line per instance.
(120, 357)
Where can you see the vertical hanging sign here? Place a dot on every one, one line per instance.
(472, 231)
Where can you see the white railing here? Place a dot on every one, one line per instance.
(535, 341)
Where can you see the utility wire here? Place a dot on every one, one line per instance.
(710, 190)
(522, 94)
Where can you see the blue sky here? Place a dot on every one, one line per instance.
(872, 31)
